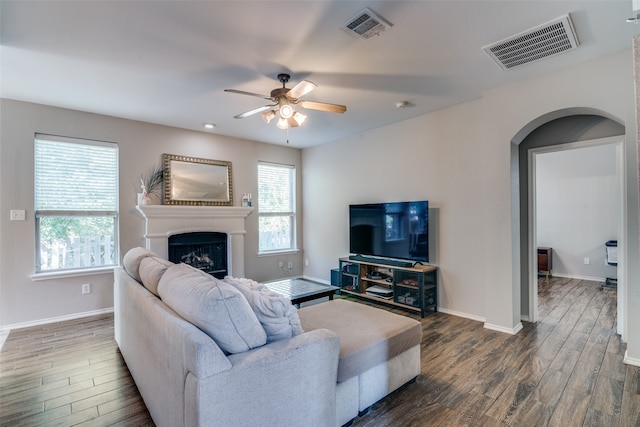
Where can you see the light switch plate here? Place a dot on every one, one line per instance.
(17, 215)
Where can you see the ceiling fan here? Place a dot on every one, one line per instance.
(283, 100)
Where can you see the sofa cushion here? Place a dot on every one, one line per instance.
(131, 261)
(369, 336)
(212, 305)
(276, 314)
(151, 270)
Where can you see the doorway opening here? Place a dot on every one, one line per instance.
(575, 200)
(562, 129)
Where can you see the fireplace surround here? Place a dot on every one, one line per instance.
(163, 221)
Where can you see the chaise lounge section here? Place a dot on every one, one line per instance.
(327, 363)
(378, 350)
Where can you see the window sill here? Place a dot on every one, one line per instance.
(283, 252)
(71, 273)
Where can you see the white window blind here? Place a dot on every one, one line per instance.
(276, 207)
(76, 176)
(76, 203)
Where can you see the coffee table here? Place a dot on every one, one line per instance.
(300, 290)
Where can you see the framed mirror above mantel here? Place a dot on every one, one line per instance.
(194, 181)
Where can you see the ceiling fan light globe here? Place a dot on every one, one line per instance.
(282, 123)
(286, 111)
(299, 118)
(267, 116)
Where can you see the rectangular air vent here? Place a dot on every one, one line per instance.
(366, 24)
(540, 42)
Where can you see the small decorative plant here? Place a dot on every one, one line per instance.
(151, 183)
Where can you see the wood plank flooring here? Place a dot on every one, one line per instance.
(566, 370)
(66, 374)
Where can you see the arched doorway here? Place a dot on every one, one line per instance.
(558, 130)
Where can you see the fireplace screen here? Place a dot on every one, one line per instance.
(206, 251)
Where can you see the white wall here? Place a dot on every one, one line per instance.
(460, 159)
(577, 209)
(632, 308)
(604, 85)
(426, 158)
(24, 301)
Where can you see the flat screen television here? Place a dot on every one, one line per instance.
(397, 230)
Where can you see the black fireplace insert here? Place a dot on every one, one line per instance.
(206, 251)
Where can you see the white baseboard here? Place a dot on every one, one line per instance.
(510, 331)
(461, 314)
(573, 276)
(7, 328)
(498, 328)
(630, 360)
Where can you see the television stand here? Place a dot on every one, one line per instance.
(413, 288)
(383, 261)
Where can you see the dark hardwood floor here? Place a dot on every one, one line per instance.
(566, 370)
(67, 373)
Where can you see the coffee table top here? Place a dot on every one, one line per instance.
(299, 290)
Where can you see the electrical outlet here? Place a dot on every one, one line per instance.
(306, 262)
(281, 264)
(586, 260)
(17, 215)
(86, 288)
(290, 265)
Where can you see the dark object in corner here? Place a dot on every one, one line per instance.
(611, 248)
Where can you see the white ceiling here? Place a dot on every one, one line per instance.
(169, 62)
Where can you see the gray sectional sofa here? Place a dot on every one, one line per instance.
(207, 352)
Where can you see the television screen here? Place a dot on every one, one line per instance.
(390, 230)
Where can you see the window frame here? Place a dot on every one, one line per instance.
(41, 214)
(291, 215)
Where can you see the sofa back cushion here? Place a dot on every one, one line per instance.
(212, 305)
(131, 261)
(151, 270)
(276, 314)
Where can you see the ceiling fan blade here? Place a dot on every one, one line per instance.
(252, 112)
(322, 106)
(242, 92)
(301, 89)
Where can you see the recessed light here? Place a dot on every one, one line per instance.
(208, 125)
(404, 104)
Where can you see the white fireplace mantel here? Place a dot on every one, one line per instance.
(162, 221)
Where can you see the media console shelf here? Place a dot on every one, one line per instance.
(412, 288)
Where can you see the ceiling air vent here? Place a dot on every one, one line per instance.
(366, 24)
(540, 42)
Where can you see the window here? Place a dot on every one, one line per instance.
(276, 207)
(76, 203)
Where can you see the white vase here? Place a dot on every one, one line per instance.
(142, 200)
